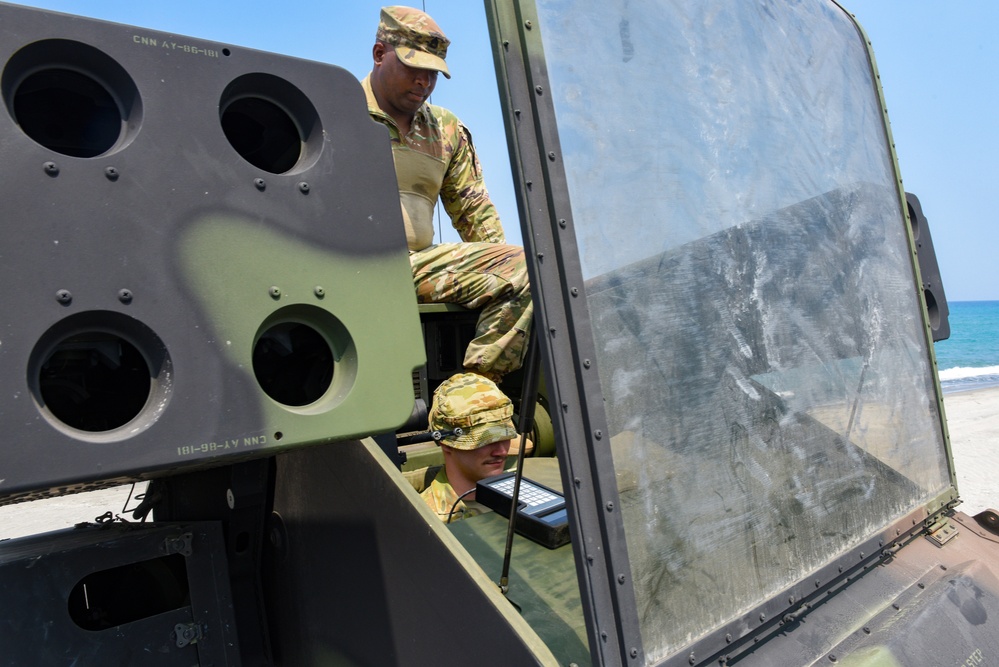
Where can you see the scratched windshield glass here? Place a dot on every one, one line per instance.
(761, 351)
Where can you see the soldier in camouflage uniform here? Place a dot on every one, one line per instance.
(434, 157)
(485, 416)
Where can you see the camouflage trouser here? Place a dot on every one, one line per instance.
(490, 276)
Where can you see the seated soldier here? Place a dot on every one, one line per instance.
(485, 416)
(435, 158)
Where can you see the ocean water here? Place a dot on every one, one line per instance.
(969, 359)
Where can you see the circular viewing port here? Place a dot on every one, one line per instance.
(270, 123)
(71, 98)
(100, 376)
(303, 356)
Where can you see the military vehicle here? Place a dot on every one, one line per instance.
(731, 293)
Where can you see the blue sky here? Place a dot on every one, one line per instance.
(938, 64)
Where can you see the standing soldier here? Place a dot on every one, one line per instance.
(434, 157)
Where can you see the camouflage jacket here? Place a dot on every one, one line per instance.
(436, 132)
(440, 496)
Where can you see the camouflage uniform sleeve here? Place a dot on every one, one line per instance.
(464, 193)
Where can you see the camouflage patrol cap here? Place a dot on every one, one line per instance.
(418, 41)
(477, 406)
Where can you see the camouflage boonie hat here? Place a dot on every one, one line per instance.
(417, 39)
(477, 406)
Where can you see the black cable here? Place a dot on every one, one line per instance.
(453, 507)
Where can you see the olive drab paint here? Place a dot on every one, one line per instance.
(191, 250)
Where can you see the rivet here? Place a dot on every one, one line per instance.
(64, 297)
(51, 168)
(603, 635)
(561, 223)
(817, 583)
(867, 630)
(303, 187)
(551, 330)
(620, 579)
(589, 558)
(111, 173)
(610, 507)
(895, 606)
(260, 184)
(565, 407)
(586, 363)
(921, 585)
(763, 618)
(634, 653)
(538, 89)
(551, 155)
(541, 256)
(528, 25)
(125, 295)
(832, 658)
(574, 291)
(728, 638)
(577, 482)
(274, 291)
(692, 659)
(319, 291)
(598, 434)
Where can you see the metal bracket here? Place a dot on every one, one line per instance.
(179, 544)
(942, 532)
(187, 633)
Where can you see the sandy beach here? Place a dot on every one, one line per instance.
(972, 417)
(973, 422)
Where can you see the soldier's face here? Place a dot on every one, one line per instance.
(400, 86)
(486, 461)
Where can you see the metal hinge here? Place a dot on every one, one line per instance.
(941, 531)
(187, 633)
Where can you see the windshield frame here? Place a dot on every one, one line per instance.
(579, 419)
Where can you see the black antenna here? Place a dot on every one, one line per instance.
(525, 424)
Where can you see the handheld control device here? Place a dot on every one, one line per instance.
(541, 512)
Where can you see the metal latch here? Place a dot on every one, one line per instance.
(942, 531)
(187, 633)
